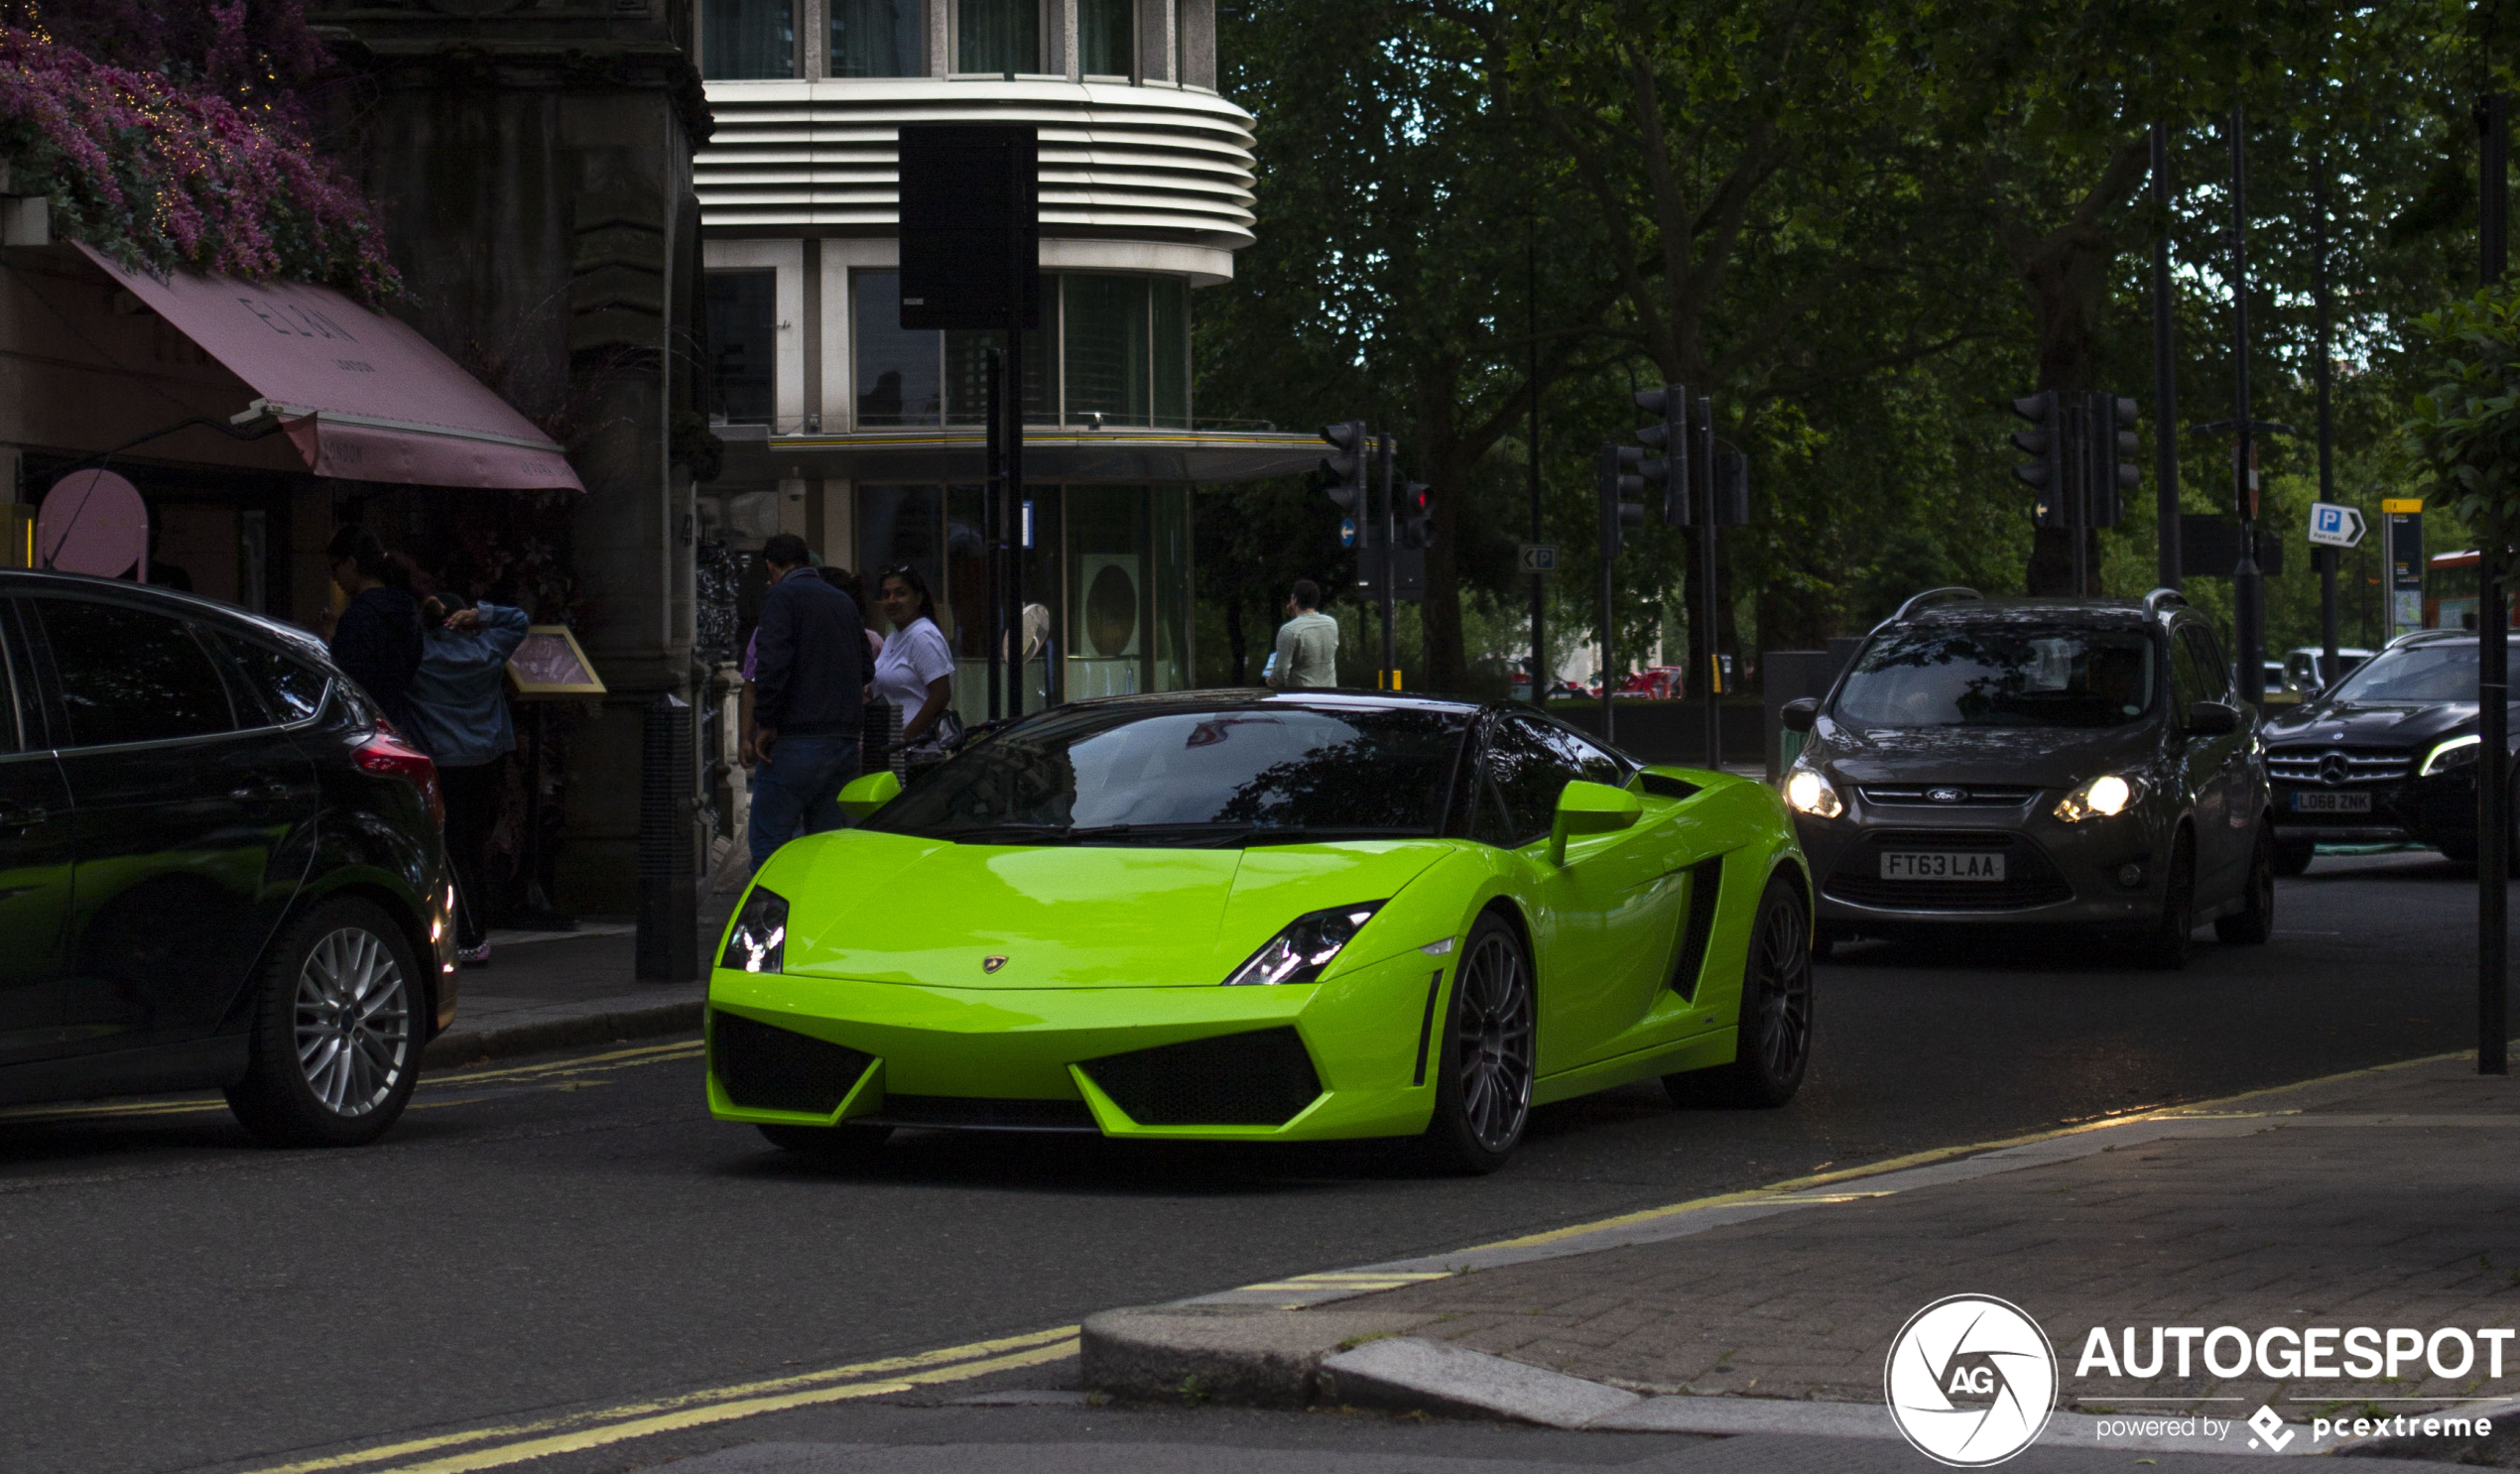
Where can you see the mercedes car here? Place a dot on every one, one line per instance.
(2036, 764)
(1237, 916)
(2386, 756)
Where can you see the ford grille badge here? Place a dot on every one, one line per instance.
(1947, 796)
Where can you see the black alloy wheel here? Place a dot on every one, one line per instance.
(2254, 921)
(1775, 1048)
(830, 1145)
(2165, 947)
(1482, 1097)
(334, 1052)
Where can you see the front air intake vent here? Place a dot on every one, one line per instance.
(1262, 1078)
(766, 1068)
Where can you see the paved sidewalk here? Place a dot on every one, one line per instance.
(2384, 1198)
(550, 990)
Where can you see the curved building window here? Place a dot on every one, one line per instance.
(1106, 45)
(998, 35)
(1127, 349)
(741, 313)
(747, 40)
(875, 37)
(894, 368)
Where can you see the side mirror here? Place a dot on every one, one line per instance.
(1591, 809)
(863, 795)
(2212, 719)
(1799, 714)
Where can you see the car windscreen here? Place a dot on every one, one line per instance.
(1996, 677)
(2419, 675)
(1241, 774)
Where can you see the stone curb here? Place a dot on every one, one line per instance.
(462, 1045)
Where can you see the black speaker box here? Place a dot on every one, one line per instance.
(970, 226)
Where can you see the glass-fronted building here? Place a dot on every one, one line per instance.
(865, 438)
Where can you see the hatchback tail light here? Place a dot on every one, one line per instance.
(383, 751)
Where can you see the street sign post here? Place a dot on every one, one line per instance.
(2335, 526)
(1540, 557)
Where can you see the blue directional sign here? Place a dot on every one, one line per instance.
(1347, 532)
(2335, 526)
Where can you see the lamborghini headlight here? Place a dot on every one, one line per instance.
(1300, 952)
(758, 941)
(2458, 752)
(2099, 798)
(1807, 791)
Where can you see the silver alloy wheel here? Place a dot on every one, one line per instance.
(1493, 1042)
(1781, 974)
(354, 1021)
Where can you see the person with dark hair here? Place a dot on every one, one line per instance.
(916, 670)
(459, 717)
(1307, 653)
(809, 700)
(376, 639)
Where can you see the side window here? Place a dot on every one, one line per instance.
(1528, 764)
(2214, 678)
(129, 676)
(291, 689)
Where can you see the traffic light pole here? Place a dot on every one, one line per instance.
(2493, 694)
(2327, 556)
(1701, 477)
(2247, 588)
(1387, 449)
(2165, 378)
(1607, 472)
(992, 516)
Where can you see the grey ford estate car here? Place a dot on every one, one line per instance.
(2037, 763)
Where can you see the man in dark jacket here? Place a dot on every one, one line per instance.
(809, 700)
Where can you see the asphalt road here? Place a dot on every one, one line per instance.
(565, 1235)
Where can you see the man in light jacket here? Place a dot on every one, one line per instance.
(459, 717)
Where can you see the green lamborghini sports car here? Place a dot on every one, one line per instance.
(1249, 916)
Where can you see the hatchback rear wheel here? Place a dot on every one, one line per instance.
(335, 1043)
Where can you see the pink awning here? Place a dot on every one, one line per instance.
(362, 396)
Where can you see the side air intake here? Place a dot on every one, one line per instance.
(762, 1068)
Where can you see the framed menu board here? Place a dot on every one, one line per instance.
(549, 663)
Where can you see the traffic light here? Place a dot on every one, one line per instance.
(1417, 517)
(2114, 471)
(1347, 464)
(2044, 444)
(1615, 477)
(1671, 437)
(1731, 488)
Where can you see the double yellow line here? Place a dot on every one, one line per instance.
(500, 1445)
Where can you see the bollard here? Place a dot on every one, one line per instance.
(669, 880)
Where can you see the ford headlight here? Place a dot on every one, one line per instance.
(1806, 792)
(2458, 752)
(1300, 952)
(2099, 798)
(758, 941)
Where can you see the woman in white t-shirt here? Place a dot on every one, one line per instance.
(914, 670)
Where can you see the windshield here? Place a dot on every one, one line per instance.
(1258, 774)
(2421, 674)
(2000, 678)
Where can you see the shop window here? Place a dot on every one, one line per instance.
(875, 37)
(998, 35)
(1106, 43)
(895, 367)
(747, 40)
(742, 313)
(899, 524)
(1108, 640)
(1108, 349)
(966, 368)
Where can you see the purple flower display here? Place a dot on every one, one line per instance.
(178, 136)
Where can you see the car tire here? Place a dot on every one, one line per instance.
(336, 1033)
(1487, 1061)
(1774, 1028)
(2165, 947)
(2254, 922)
(2293, 857)
(832, 1145)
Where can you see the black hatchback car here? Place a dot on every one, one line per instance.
(2037, 763)
(2385, 756)
(217, 866)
